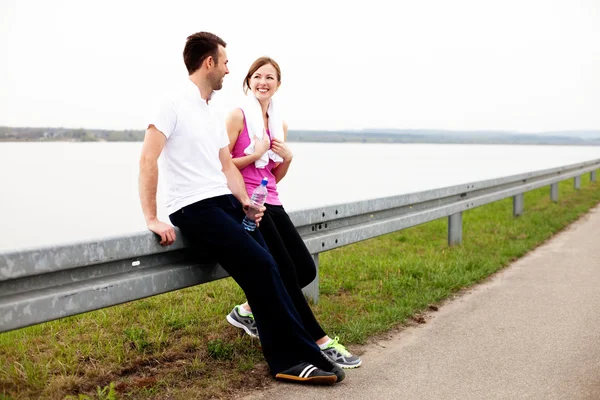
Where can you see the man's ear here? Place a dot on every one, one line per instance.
(210, 61)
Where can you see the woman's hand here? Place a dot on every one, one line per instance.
(261, 145)
(282, 149)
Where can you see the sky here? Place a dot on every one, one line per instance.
(518, 65)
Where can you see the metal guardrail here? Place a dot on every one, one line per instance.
(42, 284)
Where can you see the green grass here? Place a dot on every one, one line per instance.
(179, 346)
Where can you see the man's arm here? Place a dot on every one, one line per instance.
(235, 182)
(154, 141)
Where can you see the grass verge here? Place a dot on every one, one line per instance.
(178, 345)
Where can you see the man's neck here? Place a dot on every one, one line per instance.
(203, 86)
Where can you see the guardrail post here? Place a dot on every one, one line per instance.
(554, 192)
(518, 204)
(593, 176)
(455, 229)
(311, 290)
(577, 182)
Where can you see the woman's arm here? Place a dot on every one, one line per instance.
(284, 151)
(235, 125)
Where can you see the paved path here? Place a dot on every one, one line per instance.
(531, 332)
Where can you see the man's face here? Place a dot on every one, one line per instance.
(218, 72)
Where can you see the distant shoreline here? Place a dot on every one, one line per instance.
(563, 138)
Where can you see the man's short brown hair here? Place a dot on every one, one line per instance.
(198, 47)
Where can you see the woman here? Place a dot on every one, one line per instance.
(257, 144)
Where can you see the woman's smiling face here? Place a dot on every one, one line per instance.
(264, 82)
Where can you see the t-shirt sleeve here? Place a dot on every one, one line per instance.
(224, 138)
(164, 118)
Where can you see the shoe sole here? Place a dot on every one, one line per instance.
(314, 380)
(241, 326)
(349, 366)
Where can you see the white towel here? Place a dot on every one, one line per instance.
(255, 124)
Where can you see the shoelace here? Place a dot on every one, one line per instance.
(251, 315)
(339, 347)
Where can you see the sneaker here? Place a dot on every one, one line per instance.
(339, 355)
(333, 367)
(307, 373)
(246, 323)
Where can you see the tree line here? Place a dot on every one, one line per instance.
(30, 134)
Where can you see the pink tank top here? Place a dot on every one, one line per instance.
(252, 175)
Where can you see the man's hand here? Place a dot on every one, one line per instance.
(254, 212)
(165, 231)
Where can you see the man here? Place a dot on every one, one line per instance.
(206, 199)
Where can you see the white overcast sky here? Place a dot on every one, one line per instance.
(525, 65)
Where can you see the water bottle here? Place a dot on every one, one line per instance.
(259, 196)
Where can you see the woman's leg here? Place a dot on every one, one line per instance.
(305, 268)
(294, 260)
(273, 229)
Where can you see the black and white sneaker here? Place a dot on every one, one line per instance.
(307, 373)
(333, 367)
(246, 323)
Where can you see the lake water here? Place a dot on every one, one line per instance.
(54, 193)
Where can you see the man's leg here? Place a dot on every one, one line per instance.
(215, 224)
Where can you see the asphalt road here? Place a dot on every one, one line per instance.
(530, 332)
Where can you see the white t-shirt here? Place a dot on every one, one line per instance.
(189, 165)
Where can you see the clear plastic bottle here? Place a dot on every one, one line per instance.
(259, 196)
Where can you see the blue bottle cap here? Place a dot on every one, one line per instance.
(264, 181)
